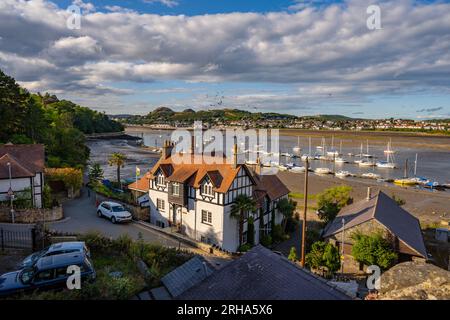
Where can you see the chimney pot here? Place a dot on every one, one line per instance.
(369, 193)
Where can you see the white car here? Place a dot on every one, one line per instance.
(113, 211)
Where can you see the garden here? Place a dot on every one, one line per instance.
(118, 265)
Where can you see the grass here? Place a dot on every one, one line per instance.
(298, 195)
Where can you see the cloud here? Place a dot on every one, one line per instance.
(429, 110)
(167, 3)
(324, 52)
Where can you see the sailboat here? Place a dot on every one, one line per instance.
(367, 162)
(358, 161)
(389, 163)
(297, 149)
(309, 155)
(389, 149)
(340, 159)
(333, 152)
(405, 181)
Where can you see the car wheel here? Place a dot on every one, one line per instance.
(113, 220)
(100, 214)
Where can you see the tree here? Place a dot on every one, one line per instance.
(332, 200)
(324, 256)
(286, 208)
(242, 205)
(251, 231)
(292, 254)
(117, 159)
(95, 173)
(373, 250)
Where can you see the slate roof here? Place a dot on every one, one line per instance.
(26, 160)
(186, 276)
(261, 274)
(386, 211)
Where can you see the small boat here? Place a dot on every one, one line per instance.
(371, 175)
(286, 154)
(386, 164)
(297, 169)
(250, 162)
(366, 163)
(342, 174)
(322, 171)
(307, 156)
(340, 160)
(358, 161)
(350, 154)
(297, 149)
(283, 167)
(389, 150)
(405, 182)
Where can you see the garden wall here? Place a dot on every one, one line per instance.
(32, 215)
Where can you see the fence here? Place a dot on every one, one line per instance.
(12, 237)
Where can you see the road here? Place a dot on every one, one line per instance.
(80, 217)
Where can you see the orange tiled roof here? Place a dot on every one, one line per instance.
(142, 184)
(17, 169)
(29, 159)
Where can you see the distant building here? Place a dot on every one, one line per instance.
(374, 214)
(27, 171)
(198, 197)
(261, 274)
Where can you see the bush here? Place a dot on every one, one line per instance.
(278, 234)
(293, 254)
(266, 241)
(373, 250)
(332, 200)
(245, 247)
(324, 256)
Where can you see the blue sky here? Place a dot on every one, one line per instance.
(301, 57)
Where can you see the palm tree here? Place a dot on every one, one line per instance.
(117, 159)
(286, 208)
(242, 204)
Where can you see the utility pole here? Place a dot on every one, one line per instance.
(342, 246)
(302, 262)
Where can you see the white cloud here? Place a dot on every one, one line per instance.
(323, 51)
(167, 3)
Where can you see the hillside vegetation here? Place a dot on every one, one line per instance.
(58, 124)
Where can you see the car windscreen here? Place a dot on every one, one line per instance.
(118, 209)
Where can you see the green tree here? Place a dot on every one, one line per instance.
(117, 159)
(293, 254)
(373, 250)
(286, 207)
(251, 231)
(95, 173)
(241, 206)
(324, 256)
(332, 200)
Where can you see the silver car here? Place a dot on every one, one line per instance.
(55, 249)
(113, 211)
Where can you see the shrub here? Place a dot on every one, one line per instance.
(278, 234)
(244, 247)
(266, 240)
(293, 254)
(324, 256)
(332, 200)
(373, 250)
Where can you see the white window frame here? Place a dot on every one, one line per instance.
(207, 189)
(161, 180)
(206, 217)
(160, 205)
(175, 187)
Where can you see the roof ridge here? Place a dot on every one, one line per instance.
(17, 162)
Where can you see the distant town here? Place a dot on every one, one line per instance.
(166, 118)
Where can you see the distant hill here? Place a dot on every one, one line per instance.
(330, 117)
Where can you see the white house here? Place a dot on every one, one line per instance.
(25, 164)
(198, 197)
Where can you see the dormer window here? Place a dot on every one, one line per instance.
(175, 189)
(207, 190)
(160, 180)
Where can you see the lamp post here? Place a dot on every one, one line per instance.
(303, 260)
(11, 192)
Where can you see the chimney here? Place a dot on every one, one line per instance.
(369, 193)
(167, 149)
(193, 144)
(235, 156)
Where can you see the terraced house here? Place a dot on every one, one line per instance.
(198, 197)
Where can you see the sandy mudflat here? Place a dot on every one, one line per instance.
(426, 205)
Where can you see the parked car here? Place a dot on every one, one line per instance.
(113, 211)
(55, 249)
(47, 273)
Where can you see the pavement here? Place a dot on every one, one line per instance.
(81, 217)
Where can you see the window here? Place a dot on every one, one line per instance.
(208, 190)
(44, 276)
(160, 204)
(176, 189)
(161, 181)
(206, 217)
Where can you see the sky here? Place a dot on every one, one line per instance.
(303, 57)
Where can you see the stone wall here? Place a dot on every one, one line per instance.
(32, 215)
